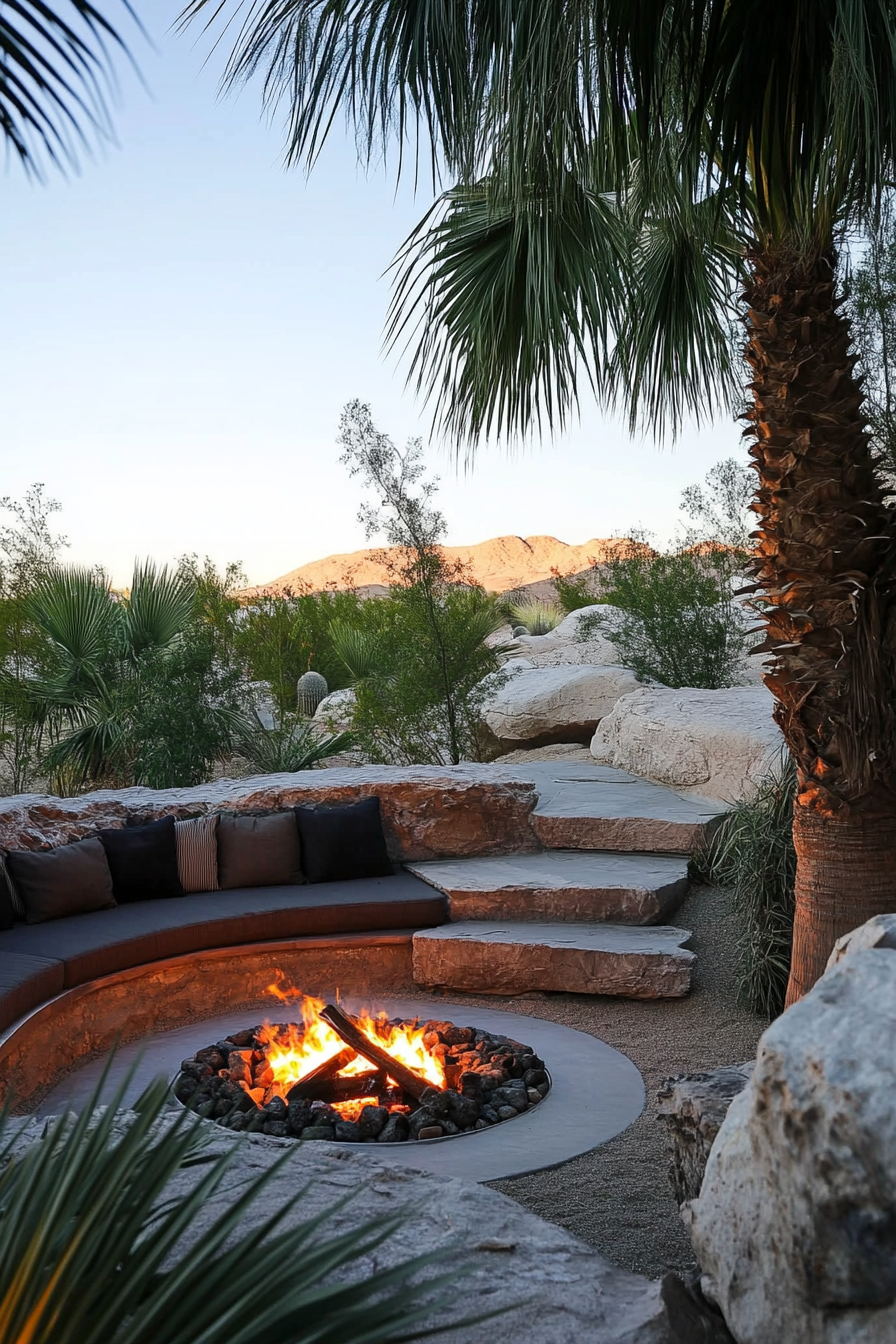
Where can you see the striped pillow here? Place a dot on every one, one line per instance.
(197, 853)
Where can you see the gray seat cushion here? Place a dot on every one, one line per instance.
(106, 941)
(25, 982)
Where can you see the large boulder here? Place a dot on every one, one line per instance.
(538, 705)
(571, 643)
(795, 1226)
(336, 711)
(718, 743)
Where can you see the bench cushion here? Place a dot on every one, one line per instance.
(25, 982)
(106, 941)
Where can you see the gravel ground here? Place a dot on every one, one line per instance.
(618, 1196)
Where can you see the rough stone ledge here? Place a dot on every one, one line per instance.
(428, 811)
(503, 1256)
(693, 1106)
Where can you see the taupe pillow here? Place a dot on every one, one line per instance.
(259, 851)
(197, 853)
(71, 880)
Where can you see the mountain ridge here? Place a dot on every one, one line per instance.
(499, 564)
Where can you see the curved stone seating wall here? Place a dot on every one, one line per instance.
(427, 812)
(92, 1018)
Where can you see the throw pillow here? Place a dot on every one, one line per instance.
(341, 843)
(143, 861)
(11, 907)
(71, 880)
(259, 851)
(196, 842)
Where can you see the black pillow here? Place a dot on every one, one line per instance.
(8, 911)
(143, 860)
(341, 843)
(70, 880)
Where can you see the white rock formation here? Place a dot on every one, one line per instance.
(538, 705)
(566, 645)
(336, 711)
(718, 743)
(877, 932)
(795, 1226)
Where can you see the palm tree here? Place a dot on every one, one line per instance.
(56, 73)
(627, 180)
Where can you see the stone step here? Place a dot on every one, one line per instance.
(560, 884)
(489, 957)
(582, 807)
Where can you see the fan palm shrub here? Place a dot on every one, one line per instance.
(94, 1250)
(134, 690)
(629, 183)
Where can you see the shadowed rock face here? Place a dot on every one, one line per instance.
(693, 1108)
(795, 1226)
(427, 812)
(538, 705)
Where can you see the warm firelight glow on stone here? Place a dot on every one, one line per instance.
(294, 1051)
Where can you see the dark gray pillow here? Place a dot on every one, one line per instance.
(71, 880)
(259, 851)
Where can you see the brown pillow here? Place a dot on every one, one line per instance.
(70, 880)
(259, 851)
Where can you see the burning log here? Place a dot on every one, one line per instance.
(352, 1034)
(309, 1086)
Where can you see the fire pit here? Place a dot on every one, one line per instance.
(361, 1079)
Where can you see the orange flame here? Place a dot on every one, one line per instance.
(294, 1051)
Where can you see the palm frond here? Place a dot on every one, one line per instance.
(56, 74)
(510, 299)
(357, 649)
(74, 609)
(93, 1249)
(158, 608)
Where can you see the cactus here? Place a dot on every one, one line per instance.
(311, 688)
(519, 630)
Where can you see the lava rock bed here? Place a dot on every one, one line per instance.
(489, 1079)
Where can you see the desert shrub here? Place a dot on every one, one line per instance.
(752, 853)
(676, 621)
(421, 660)
(93, 1250)
(278, 638)
(574, 591)
(538, 617)
(294, 744)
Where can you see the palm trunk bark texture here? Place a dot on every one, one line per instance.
(825, 572)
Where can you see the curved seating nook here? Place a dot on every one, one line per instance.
(71, 986)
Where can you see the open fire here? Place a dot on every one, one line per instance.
(363, 1078)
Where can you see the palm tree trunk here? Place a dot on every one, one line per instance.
(825, 564)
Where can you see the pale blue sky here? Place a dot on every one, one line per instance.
(181, 324)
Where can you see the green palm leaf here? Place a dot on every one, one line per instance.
(157, 609)
(75, 610)
(94, 1251)
(55, 77)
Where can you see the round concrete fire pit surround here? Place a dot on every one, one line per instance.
(595, 1091)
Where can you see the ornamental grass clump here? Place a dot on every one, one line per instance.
(752, 854)
(539, 618)
(95, 1250)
